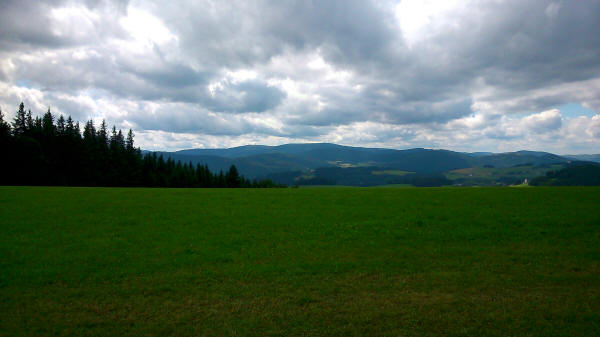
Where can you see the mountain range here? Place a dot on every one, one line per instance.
(299, 163)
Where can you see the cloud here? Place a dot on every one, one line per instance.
(246, 96)
(28, 25)
(482, 75)
(544, 121)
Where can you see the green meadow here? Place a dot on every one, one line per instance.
(300, 262)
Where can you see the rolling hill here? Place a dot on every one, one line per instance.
(585, 157)
(298, 161)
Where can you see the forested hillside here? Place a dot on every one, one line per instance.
(576, 174)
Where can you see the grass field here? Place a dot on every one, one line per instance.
(312, 262)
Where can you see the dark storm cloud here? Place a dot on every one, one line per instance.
(16, 18)
(172, 76)
(350, 33)
(536, 47)
(247, 96)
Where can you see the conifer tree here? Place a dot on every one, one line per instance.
(5, 151)
(29, 122)
(113, 139)
(4, 127)
(77, 132)
(129, 142)
(48, 124)
(120, 141)
(61, 126)
(102, 135)
(232, 177)
(89, 131)
(19, 124)
(37, 128)
(70, 128)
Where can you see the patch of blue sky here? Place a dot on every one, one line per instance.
(24, 83)
(573, 110)
(93, 93)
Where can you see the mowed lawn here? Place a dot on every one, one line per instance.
(300, 262)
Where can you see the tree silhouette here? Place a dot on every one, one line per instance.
(4, 127)
(19, 124)
(233, 177)
(43, 152)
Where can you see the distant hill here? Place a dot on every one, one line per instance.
(235, 152)
(252, 166)
(585, 157)
(479, 154)
(509, 159)
(293, 161)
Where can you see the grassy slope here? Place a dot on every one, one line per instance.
(336, 261)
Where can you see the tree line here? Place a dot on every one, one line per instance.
(55, 151)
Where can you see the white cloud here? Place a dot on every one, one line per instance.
(543, 122)
(593, 129)
(421, 19)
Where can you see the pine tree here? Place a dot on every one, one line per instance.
(29, 123)
(77, 130)
(61, 127)
(103, 135)
(70, 128)
(4, 127)
(129, 142)
(113, 139)
(5, 151)
(89, 132)
(37, 128)
(48, 124)
(120, 142)
(19, 124)
(232, 177)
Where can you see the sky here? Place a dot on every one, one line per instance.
(460, 75)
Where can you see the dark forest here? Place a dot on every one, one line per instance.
(50, 151)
